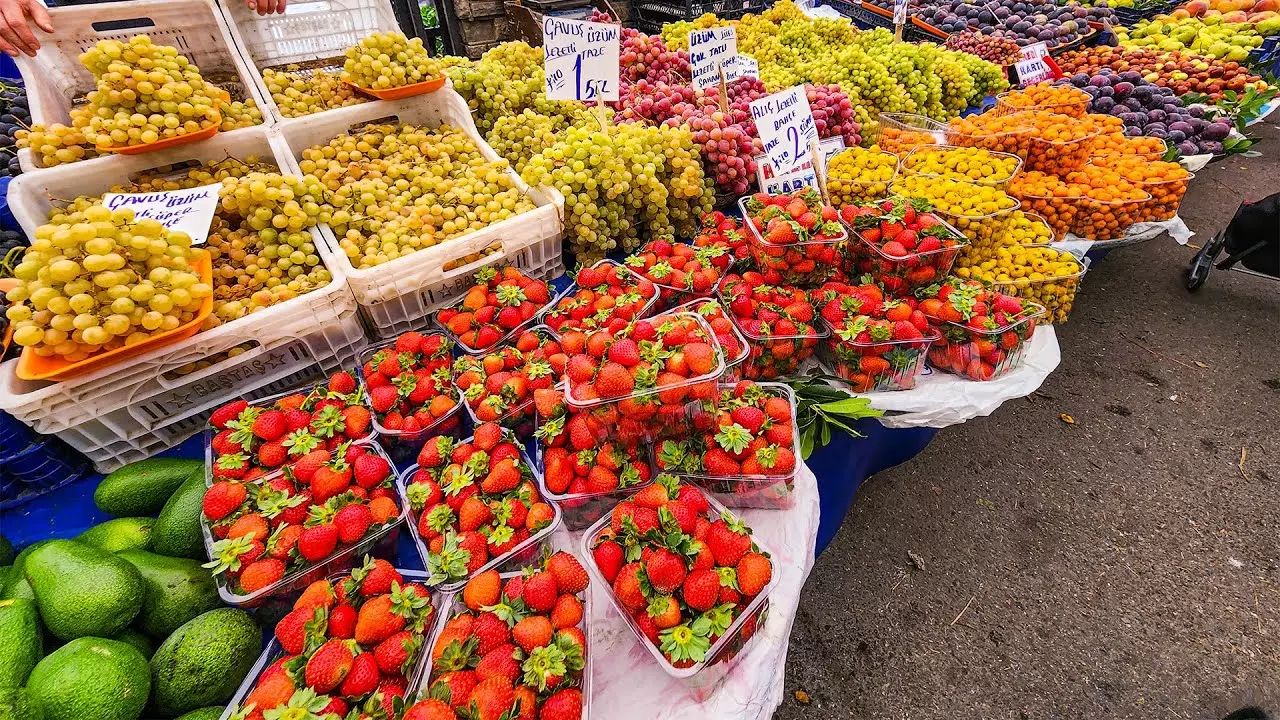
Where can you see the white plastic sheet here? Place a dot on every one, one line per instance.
(1141, 232)
(940, 399)
(628, 684)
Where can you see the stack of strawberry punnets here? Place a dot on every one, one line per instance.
(499, 387)
(498, 304)
(637, 380)
(795, 239)
(689, 578)
(322, 505)
(716, 229)
(731, 340)
(252, 440)
(745, 448)
(901, 243)
(410, 387)
(516, 647)
(776, 320)
(877, 342)
(984, 333)
(349, 645)
(681, 270)
(604, 296)
(473, 502)
(583, 469)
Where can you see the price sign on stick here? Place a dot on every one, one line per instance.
(829, 147)
(1034, 51)
(785, 124)
(741, 66)
(580, 59)
(190, 210)
(1032, 71)
(899, 12)
(709, 50)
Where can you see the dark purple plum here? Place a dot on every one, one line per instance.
(1188, 147)
(1217, 131)
(1103, 105)
(1176, 136)
(1211, 146)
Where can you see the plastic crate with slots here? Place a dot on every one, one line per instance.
(311, 34)
(127, 411)
(398, 295)
(56, 81)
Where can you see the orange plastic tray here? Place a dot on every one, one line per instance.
(166, 143)
(403, 91)
(54, 369)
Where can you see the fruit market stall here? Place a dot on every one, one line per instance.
(304, 307)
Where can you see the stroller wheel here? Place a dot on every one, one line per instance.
(1202, 263)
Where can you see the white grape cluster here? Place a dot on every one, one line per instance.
(145, 92)
(102, 282)
(389, 60)
(297, 92)
(396, 189)
(57, 144)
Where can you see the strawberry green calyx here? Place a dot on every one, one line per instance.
(511, 611)
(683, 644)
(881, 333)
(510, 295)
(478, 463)
(226, 554)
(302, 441)
(733, 438)
(320, 514)
(242, 427)
(629, 476)
(535, 369)
(458, 655)
(457, 480)
(671, 454)
(900, 359)
(232, 461)
(543, 664)
(442, 376)
(501, 534)
(670, 483)
(408, 604)
(550, 429)
(439, 518)
(718, 619)
(728, 577)
(634, 261)
(484, 276)
(272, 503)
(448, 564)
(474, 393)
(405, 383)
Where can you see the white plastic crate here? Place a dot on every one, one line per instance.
(397, 295)
(116, 428)
(55, 79)
(148, 396)
(305, 33)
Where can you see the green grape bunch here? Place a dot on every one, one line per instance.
(382, 61)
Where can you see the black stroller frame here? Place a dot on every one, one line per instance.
(1207, 259)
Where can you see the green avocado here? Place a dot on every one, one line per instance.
(132, 533)
(177, 531)
(15, 704)
(203, 662)
(6, 551)
(208, 713)
(16, 585)
(138, 640)
(143, 487)
(175, 590)
(91, 678)
(83, 591)
(21, 641)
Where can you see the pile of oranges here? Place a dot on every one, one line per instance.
(1063, 99)
(1166, 182)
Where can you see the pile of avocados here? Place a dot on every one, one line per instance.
(122, 622)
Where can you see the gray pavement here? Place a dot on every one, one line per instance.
(1124, 566)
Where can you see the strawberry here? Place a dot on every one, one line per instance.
(342, 621)
(567, 612)
(499, 662)
(701, 590)
(728, 540)
(540, 592)
(430, 709)
(491, 698)
(490, 631)
(329, 666)
(378, 619)
(608, 557)
(532, 632)
(482, 590)
(222, 498)
(270, 425)
(227, 413)
(294, 629)
(396, 654)
(666, 570)
(569, 574)
(753, 572)
(352, 522)
(370, 469)
(363, 677)
(563, 705)
(261, 574)
(317, 541)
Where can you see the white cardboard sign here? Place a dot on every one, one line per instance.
(709, 49)
(790, 182)
(785, 124)
(740, 66)
(1032, 71)
(1034, 51)
(189, 211)
(580, 59)
(899, 12)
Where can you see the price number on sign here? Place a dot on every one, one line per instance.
(785, 125)
(580, 59)
(741, 66)
(1031, 72)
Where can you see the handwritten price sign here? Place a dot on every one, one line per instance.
(580, 59)
(785, 124)
(1034, 51)
(708, 50)
(829, 148)
(899, 12)
(189, 211)
(741, 66)
(1032, 71)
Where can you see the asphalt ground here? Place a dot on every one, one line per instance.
(1124, 565)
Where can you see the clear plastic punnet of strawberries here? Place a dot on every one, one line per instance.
(795, 238)
(604, 296)
(267, 535)
(512, 645)
(901, 242)
(984, 333)
(877, 342)
(499, 387)
(500, 303)
(351, 646)
(685, 573)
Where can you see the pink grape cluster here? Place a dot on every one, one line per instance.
(646, 57)
(833, 113)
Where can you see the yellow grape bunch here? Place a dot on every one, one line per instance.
(389, 60)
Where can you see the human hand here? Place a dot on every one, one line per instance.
(264, 7)
(15, 34)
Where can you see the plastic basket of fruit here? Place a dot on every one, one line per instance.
(685, 650)
(262, 436)
(1054, 285)
(997, 133)
(901, 243)
(856, 175)
(306, 37)
(1166, 182)
(281, 538)
(679, 271)
(397, 289)
(900, 132)
(616, 377)
(580, 466)
(474, 505)
(605, 295)
(1062, 99)
(56, 77)
(500, 387)
(794, 239)
(409, 385)
(868, 364)
(1060, 148)
(776, 321)
(975, 165)
(500, 303)
(537, 623)
(731, 339)
(1108, 219)
(984, 334)
(386, 612)
(749, 462)
(978, 212)
(1117, 144)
